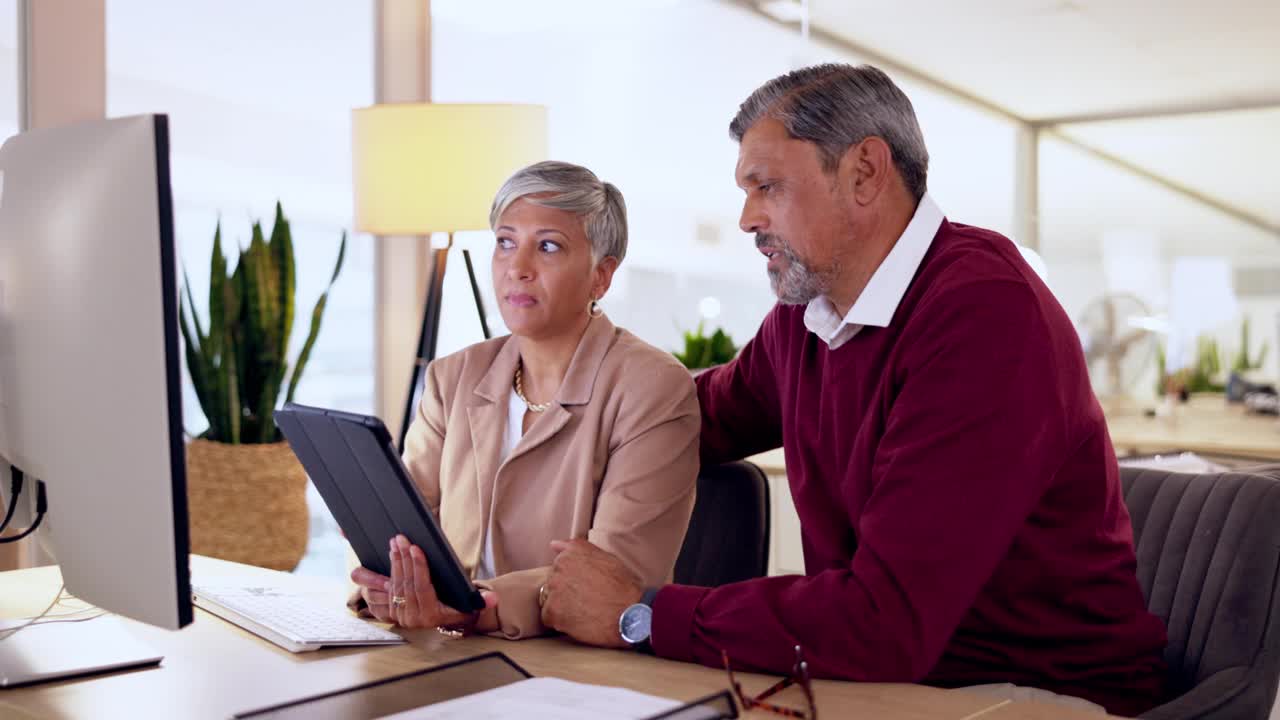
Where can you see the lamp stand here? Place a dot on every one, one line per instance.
(431, 327)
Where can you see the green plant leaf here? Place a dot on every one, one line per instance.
(239, 367)
(317, 314)
(191, 303)
(234, 411)
(342, 254)
(281, 246)
(252, 326)
(701, 351)
(195, 365)
(217, 295)
(258, 392)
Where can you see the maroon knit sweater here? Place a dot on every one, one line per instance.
(958, 495)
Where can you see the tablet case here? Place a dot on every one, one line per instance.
(353, 463)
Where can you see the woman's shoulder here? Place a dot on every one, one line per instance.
(641, 367)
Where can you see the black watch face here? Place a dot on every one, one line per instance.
(636, 623)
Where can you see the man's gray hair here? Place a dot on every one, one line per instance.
(565, 186)
(837, 106)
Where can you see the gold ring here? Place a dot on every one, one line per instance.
(542, 595)
(398, 600)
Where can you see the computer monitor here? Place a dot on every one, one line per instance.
(90, 396)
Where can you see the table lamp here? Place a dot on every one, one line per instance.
(421, 168)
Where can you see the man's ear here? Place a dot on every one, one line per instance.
(865, 169)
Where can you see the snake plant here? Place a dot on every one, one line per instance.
(238, 366)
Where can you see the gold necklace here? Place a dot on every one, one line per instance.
(533, 407)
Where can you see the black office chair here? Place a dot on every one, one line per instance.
(728, 537)
(1208, 551)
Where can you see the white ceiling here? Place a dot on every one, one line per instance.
(1234, 156)
(1050, 60)
(1043, 59)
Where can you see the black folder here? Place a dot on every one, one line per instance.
(441, 683)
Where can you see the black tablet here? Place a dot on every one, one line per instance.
(353, 463)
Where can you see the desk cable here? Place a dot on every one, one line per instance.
(10, 632)
(15, 489)
(42, 505)
(71, 614)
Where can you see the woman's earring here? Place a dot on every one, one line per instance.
(594, 309)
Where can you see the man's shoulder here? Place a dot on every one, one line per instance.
(966, 254)
(979, 279)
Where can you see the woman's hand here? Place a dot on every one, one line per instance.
(410, 598)
(373, 588)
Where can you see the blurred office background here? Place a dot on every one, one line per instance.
(1133, 145)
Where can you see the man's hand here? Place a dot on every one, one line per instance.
(587, 592)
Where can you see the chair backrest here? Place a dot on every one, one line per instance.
(1208, 549)
(728, 536)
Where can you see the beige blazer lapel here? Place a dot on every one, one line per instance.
(576, 388)
(544, 434)
(487, 418)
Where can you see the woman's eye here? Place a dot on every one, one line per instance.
(505, 243)
(548, 247)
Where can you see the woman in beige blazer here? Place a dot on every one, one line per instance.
(568, 428)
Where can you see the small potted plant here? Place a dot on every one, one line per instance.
(246, 490)
(703, 351)
(1245, 364)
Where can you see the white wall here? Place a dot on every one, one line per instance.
(1084, 199)
(642, 93)
(8, 67)
(259, 98)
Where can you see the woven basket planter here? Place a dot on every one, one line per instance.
(247, 503)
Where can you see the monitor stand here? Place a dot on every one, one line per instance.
(61, 650)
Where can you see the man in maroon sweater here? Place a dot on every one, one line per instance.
(958, 494)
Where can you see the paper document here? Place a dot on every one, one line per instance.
(1182, 463)
(544, 699)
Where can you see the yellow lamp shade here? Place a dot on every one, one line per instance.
(425, 167)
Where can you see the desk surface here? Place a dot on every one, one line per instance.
(1206, 424)
(214, 669)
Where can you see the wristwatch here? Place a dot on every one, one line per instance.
(636, 623)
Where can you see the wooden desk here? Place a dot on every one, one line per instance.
(1205, 425)
(214, 669)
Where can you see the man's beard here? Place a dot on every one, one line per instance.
(797, 284)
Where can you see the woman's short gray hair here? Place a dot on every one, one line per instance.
(565, 186)
(837, 106)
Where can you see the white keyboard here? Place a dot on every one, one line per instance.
(295, 622)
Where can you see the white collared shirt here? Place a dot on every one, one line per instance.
(510, 438)
(880, 298)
